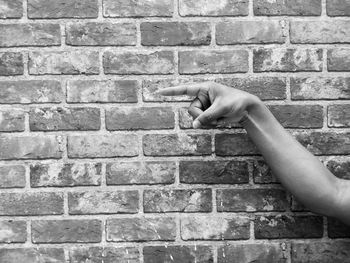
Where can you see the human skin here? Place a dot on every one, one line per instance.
(299, 171)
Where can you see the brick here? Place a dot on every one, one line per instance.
(298, 116)
(65, 174)
(101, 34)
(25, 204)
(251, 200)
(262, 173)
(338, 8)
(11, 9)
(141, 229)
(11, 120)
(176, 144)
(338, 59)
(63, 63)
(25, 255)
(13, 232)
(285, 226)
(234, 144)
(214, 172)
(219, 8)
(177, 200)
(68, 230)
(62, 8)
(140, 118)
(321, 252)
(136, 63)
(12, 176)
(30, 35)
(236, 253)
(103, 202)
(287, 59)
(178, 254)
(249, 32)
(339, 116)
(337, 229)
(153, 172)
(297, 206)
(287, 7)
(64, 119)
(207, 228)
(104, 254)
(340, 168)
(105, 91)
(138, 8)
(199, 62)
(325, 143)
(103, 146)
(175, 33)
(11, 64)
(313, 88)
(320, 32)
(30, 147)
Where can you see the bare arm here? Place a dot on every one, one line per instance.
(295, 167)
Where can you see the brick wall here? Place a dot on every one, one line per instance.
(94, 167)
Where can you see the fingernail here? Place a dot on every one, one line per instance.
(196, 124)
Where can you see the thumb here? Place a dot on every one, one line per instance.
(210, 115)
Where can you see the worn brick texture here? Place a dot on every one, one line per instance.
(96, 167)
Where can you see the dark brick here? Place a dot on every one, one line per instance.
(219, 8)
(13, 232)
(12, 176)
(234, 144)
(104, 254)
(11, 9)
(338, 229)
(11, 120)
(262, 173)
(287, 7)
(340, 168)
(338, 59)
(11, 63)
(25, 255)
(338, 8)
(339, 116)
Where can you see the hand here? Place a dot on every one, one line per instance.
(213, 102)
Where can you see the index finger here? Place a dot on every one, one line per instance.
(191, 89)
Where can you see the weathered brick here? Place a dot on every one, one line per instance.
(338, 8)
(176, 144)
(337, 229)
(196, 62)
(68, 230)
(12, 176)
(339, 115)
(104, 254)
(175, 33)
(11, 120)
(64, 119)
(177, 200)
(325, 143)
(297, 206)
(340, 168)
(137, 8)
(13, 232)
(141, 229)
(30, 147)
(219, 8)
(287, 59)
(105, 91)
(11, 63)
(25, 204)
(25, 255)
(62, 8)
(262, 173)
(11, 9)
(207, 228)
(178, 254)
(287, 7)
(314, 88)
(103, 202)
(124, 173)
(320, 32)
(65, 174)
(63, 63)
(30, 35)
(251, 200)
(93, 146)
(101, 34)
(249, 32)
(338, 59)
(283, 226)
(132, 62)
(30, 91)
(298, 116)
(214, 172)
(234, 144)
(321, 252)
(140, 118)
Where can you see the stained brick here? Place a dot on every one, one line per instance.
(339, 115)
(104, 254)
(11, 9)
(262, 173)
(13, 232)
(219, 8)
(338, 8)
(11, 63)
(338, 59)
(234, 144)
(12, 176)
(340, 168)
(11, 120)
(287, 7)
(25, 255)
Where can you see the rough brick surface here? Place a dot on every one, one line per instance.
(287, 7)
(340, 168)
(12, 176)
(13, 231)
(11, 120)
(104, 254)
(339, 115)
(219, 8)
(11, 63)
(25, 255)
(339, 59)
(338, 8)
(234, 144)
(11, 9)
